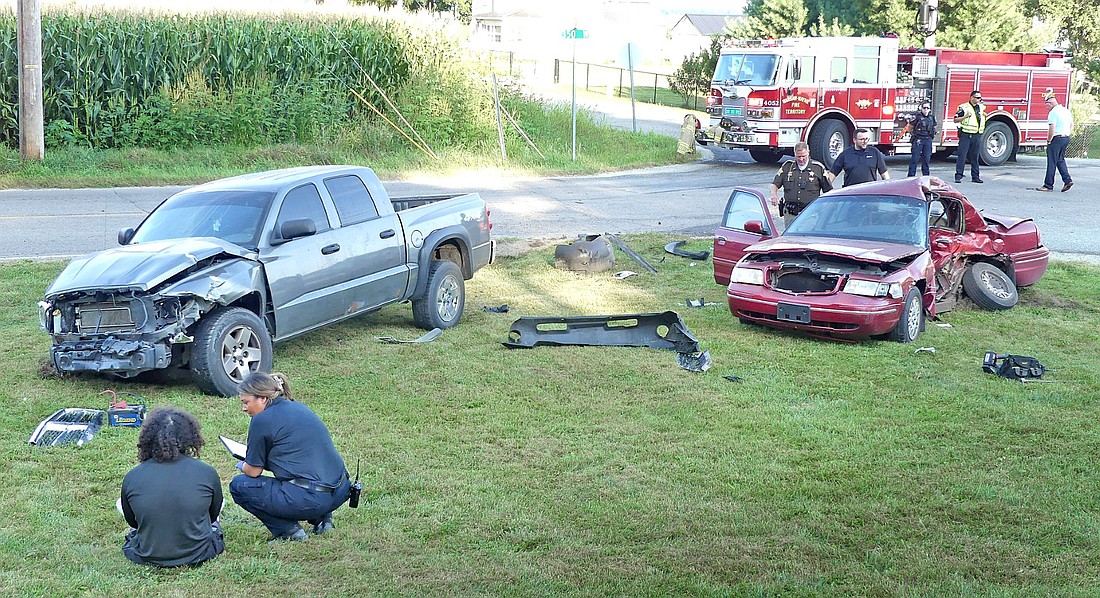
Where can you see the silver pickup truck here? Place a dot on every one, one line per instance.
(219, 272)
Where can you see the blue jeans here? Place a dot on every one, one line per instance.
(922, 150)
(1056, 158)
(281, 505)
(968, 149)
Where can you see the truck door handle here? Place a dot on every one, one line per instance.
(386, 234)
(330, 249)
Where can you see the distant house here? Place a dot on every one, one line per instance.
(694, 32)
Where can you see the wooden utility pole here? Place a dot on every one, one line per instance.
(31, 141)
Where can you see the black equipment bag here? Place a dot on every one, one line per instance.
(1013, 367)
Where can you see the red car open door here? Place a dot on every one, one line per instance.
(746, 221)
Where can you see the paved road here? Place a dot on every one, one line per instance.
(686, 199)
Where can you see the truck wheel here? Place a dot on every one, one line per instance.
(766, 156)
(442, 303)
(989, 287)
(229, 345)
(827, 140)
(997, 144)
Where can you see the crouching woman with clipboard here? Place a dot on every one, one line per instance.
(289, 440)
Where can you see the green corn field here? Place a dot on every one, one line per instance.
(120, 79)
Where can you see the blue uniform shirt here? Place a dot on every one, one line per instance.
(289, 440)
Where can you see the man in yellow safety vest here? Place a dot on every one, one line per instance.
(971, 120)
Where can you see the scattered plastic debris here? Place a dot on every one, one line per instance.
(675, 249)
(943, 324)
(428, 337)
(624, 274)
(657, 331)
(734, 378)
(931, 350)
(695, 362)
(68, 426)
(500, 309)
(589, 254)
(700, 302)
(633, 255)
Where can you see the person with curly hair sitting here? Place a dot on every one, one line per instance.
(288, 439)
(171, 499)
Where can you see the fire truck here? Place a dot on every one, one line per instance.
(768, 95)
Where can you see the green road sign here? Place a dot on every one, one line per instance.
(574, 34)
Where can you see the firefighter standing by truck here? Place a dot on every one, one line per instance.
(802, 180)
(971, 120)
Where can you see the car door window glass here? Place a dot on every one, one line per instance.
(303, 202)
(744, 207)
(353, 201)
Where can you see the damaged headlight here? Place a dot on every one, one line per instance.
(747, 276)
(870, 288)
(45, 311)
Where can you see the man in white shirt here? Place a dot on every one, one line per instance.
(1059, 129)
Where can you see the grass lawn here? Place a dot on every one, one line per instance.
(832, 469)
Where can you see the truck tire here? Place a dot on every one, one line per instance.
(996, 144)
(989, 287)
(827, 140)
(443, 301)
(766, 156)
(229, 344)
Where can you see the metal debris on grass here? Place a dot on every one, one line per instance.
(428, 337)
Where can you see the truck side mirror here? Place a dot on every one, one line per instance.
(293, 229)
(125, 234)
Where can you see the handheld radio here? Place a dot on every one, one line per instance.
(356, 489)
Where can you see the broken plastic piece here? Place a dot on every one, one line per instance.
(733, 378)
(931, 350)
(695, 362)
(624, 274)
(674, 249)
(943, 324)
(428, 337)
(589, 254)
(68, 426)
(699, 302)
(633, 255)
(502, 309)
(657, 331)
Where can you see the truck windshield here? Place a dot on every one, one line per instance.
(233, 216)
(746, 69)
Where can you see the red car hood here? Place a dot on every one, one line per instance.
(878, 252)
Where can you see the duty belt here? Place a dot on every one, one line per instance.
(315, 486)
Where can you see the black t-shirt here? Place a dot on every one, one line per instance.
(289, 440)
(172, 506)
(859, 166)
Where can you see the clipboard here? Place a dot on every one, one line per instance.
(235, 448)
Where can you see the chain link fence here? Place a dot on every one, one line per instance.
(1085, 142)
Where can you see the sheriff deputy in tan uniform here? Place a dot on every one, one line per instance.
(802, 181)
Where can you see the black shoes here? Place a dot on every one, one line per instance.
(1067, 186)
(978, 180)
(324, 525)
(295, 534)
(958, 178)
(1044, 189)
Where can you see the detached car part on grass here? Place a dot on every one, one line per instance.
(872, 260)
(218, 273)
(656, 330)
(589, 254)
(68, 426)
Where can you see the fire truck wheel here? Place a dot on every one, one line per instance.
(997, 144)
(827, 140)
(766, 156)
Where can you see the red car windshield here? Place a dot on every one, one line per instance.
(887, 218)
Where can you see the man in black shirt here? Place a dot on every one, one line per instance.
(923, 130)
(171, 500)
(860, 162)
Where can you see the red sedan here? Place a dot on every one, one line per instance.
(872, 260)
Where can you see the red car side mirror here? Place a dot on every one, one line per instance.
(754, 226)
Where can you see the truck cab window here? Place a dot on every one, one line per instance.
(353, 201)
(866, 64)
(806, 72)
(303, 202)
(838, 70)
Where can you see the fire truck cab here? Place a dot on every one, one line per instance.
(768, 95)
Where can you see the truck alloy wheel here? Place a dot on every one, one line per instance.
(443, 301)
(229, 345)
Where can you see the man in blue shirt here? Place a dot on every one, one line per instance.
(860, 162)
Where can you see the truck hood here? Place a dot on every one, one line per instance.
(139, 267)
(877, 252)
